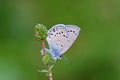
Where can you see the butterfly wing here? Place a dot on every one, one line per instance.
(55, 38)
(61, 37)
(73, 32)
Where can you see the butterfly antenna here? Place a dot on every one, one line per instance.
(65, 59)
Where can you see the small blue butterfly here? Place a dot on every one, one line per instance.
(60, 38)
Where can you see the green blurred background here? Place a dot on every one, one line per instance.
(95, 55)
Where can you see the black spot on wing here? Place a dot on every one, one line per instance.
(60, 56)
(56, 28)
(70, 30)
(61, 45)
(51, 34)
(53, 30)
(63, 35)
(73, 31)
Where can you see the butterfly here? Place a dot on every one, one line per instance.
(60, 38)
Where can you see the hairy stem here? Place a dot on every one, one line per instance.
(48, 67)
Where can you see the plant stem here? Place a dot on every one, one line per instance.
(43, 54)
(43, 47)
(49, 74)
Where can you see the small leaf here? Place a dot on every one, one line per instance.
(51, 67)
(43, 71)
(46, 59)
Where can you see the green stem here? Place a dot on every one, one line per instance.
(49, 74)
(43, 47)
(48, 67)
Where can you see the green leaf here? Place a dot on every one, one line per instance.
(51, 67)
(43, 71)
(46, 59)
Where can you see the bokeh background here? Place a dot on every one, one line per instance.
(95, 55)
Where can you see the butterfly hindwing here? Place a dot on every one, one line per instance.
(73, 32)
